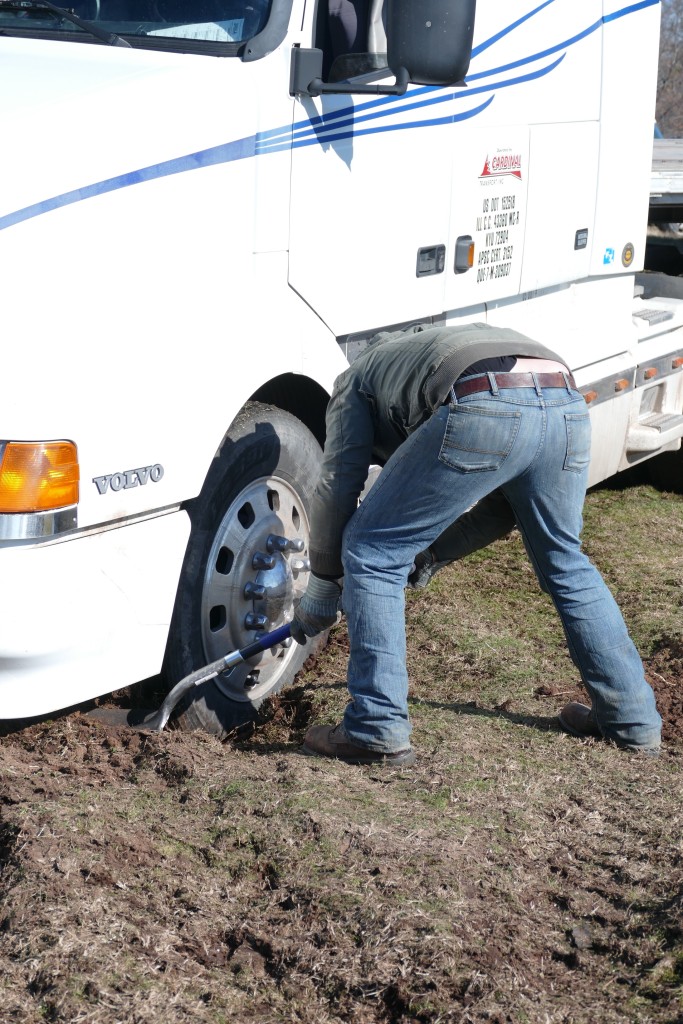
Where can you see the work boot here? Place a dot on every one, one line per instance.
(578, 720)
(332, 741)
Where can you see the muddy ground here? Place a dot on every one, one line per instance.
(514, 874)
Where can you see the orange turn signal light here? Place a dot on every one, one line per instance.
(37, 476)
(590, 396)
(464, 254)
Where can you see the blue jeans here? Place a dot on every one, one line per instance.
(533, 444)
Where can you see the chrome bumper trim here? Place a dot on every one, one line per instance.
(35, 525)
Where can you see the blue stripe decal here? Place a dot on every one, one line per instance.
(567, 42)
(340, 124)
(327, 132)
(510, 28)
(229, 151)
(629, 10)
(377, 130)
(542, 53)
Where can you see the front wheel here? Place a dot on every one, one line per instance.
(245, 568)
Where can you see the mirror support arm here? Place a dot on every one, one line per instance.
(305, 78)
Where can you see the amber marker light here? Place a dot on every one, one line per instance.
(464, 254)
(38, 476)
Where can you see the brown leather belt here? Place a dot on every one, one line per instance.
(513, 380)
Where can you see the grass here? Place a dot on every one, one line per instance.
(514, 875)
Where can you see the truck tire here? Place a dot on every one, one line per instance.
(665, 471)
(245, 566)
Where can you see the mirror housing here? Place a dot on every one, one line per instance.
(430, 39)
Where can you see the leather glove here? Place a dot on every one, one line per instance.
(424, 568)
(318, 609)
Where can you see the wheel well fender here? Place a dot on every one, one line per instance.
(300, 396)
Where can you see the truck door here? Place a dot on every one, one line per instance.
(370, 207)
(526, 166)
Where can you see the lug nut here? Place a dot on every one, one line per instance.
(262, 561)
(254, 590)
(300, 564)
(277, 543)
(254, 621)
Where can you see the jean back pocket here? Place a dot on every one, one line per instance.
(478, 440)
(578, 454)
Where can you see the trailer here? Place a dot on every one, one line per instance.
(207, 210)
(664, 250)
(666, 182)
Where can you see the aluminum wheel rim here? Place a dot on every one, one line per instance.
(233, 610)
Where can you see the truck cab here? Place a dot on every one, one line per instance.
(208, 209)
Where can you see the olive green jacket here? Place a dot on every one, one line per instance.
(392, 388)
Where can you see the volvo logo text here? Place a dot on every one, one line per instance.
(129, 478)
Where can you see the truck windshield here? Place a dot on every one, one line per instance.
(202, 21)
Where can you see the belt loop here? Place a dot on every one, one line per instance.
(566, 380)
(492, 382)
(536, 385)
(454, 399)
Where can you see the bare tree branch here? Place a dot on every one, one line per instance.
(670, 78)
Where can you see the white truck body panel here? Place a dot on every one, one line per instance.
(177, 231)
(83, 612)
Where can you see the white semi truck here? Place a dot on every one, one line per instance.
(206, 210)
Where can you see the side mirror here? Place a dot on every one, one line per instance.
(430, 39)
(429, 42)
